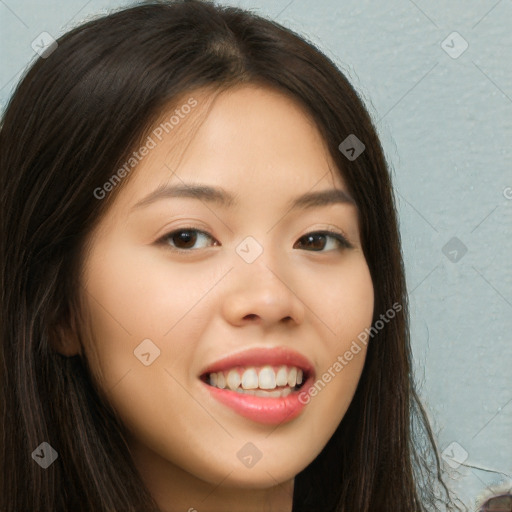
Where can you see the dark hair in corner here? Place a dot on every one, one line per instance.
(71, 122)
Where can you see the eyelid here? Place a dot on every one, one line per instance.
(336, 233)
(163, 239)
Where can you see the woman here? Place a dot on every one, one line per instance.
(256, 371)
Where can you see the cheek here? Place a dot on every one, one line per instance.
(343, 300)
(347, 309)
(132, 297)
(131, 301)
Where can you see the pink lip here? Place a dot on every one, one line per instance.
(261, 409)
(269, 411)
(260, 357)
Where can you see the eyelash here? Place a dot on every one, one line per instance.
(340, 239)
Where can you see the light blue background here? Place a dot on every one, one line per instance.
(446, 127)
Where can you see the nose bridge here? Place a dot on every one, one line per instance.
(264, 279)
(262, 285)
(262, 275)
(263, 258)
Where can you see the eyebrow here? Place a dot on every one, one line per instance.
(226, 199)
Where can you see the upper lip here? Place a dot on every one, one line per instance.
(260, 357)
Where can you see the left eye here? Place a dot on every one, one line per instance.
(318, 238)
(184, 240)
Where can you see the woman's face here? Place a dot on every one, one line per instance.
(247, 273)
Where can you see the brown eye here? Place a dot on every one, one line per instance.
(185, 239)
(319, 240)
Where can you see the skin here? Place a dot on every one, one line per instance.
(201, 305)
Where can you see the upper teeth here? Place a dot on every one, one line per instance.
(251, 378)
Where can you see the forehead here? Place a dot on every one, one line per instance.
(248, 138)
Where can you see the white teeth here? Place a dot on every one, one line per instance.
(267, 394)
(282, 377)
(273, 394)
(221, 380)
(250, 379)
(233, 379)
(267, 378)
(256, 382)
(292, 377)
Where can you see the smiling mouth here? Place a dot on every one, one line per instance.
(265, 381)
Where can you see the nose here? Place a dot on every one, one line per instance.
(260, 295)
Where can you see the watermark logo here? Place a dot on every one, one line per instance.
(45, 455)
(351, 147)
(454, 249)
(249, 249)
(454, 45)
(249, 455)
(44, 45)
(454, 455)
(146, 352)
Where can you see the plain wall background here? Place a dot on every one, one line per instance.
(446, 126)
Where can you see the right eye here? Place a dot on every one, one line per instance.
(184, 239)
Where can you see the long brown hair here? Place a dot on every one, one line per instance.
(73, 119)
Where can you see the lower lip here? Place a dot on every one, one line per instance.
(269, 411)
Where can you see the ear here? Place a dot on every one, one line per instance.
(64, 335)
